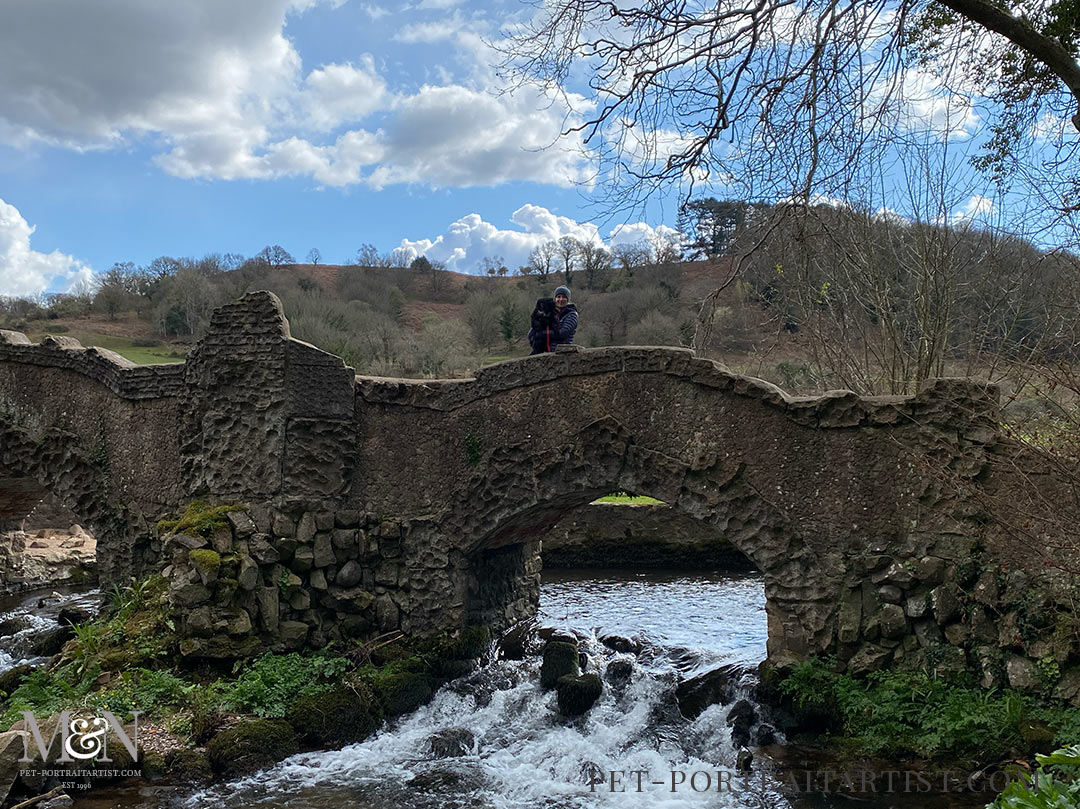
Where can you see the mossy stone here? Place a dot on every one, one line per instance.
(341, 715)
(575, 695)
(560, 660)
(403, 692)
(12, 679)
(153, 765)
(251, 746)
(469, 645)
(189, 765)
(205, 560)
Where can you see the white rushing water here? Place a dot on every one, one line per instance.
(24, 616)
(521, 753)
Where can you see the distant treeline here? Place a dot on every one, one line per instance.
(856, 299)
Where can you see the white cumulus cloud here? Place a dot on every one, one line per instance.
(27, 272)
(222, 93)
(466, 242)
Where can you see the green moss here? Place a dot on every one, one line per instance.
(470, 644)
(205, 560)
(560, 660)
(402, 691)
(200, 519)
(251, 746)
(153, 765)
(346, 713)
(189, 765)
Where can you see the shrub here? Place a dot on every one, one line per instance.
(893, 713)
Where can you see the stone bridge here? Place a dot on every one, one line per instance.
(375, 504)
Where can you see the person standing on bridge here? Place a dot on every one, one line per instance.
(553, 323)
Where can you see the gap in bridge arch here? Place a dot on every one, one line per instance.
(651, 573)
(43, 544)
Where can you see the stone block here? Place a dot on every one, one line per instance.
(261, 550)
(292, 634)
(957, 634)
(1068, 687)
(986, 588)
(930, 570)
(387, 574)
(317, 580)
(323, 553)
(869, 658)
(305, 531)
(188, 595)
(303, 559)
(896, 573)
(892, 621)
(917, 606)
(890, 594)
(849, 618)
(1023, 674)
(283, 525)
(946, 603)
(984, 628)
(344, 539)
(324, 520)
(928, 632)
(241, 523)
(349, 575)
(387, 615)
(285, 547)
(268, 607)
(347, 518)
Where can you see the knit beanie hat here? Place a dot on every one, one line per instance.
(562, 291)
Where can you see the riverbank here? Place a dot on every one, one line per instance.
(348, 715)
(200, 723)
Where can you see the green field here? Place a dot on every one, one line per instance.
(624, 499)
(125, 347)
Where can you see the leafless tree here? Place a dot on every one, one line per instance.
(777, 97)
(541, 259)
(595, 261)
(567, 249)
(631, 256)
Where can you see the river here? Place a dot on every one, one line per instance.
(516, 752)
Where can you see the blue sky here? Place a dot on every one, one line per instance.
(131, 129)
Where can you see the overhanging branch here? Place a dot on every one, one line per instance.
(1021, 33)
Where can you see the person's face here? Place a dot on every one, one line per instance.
(561, 301)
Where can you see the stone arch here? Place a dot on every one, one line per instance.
(501, 558)
(55, 461)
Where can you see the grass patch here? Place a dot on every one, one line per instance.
(625, 499)
(129, 349)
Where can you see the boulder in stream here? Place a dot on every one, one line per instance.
(577, 694)
(452, 743)
(740, 719)
(251, 746)
(698, 693)
(560, 660)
